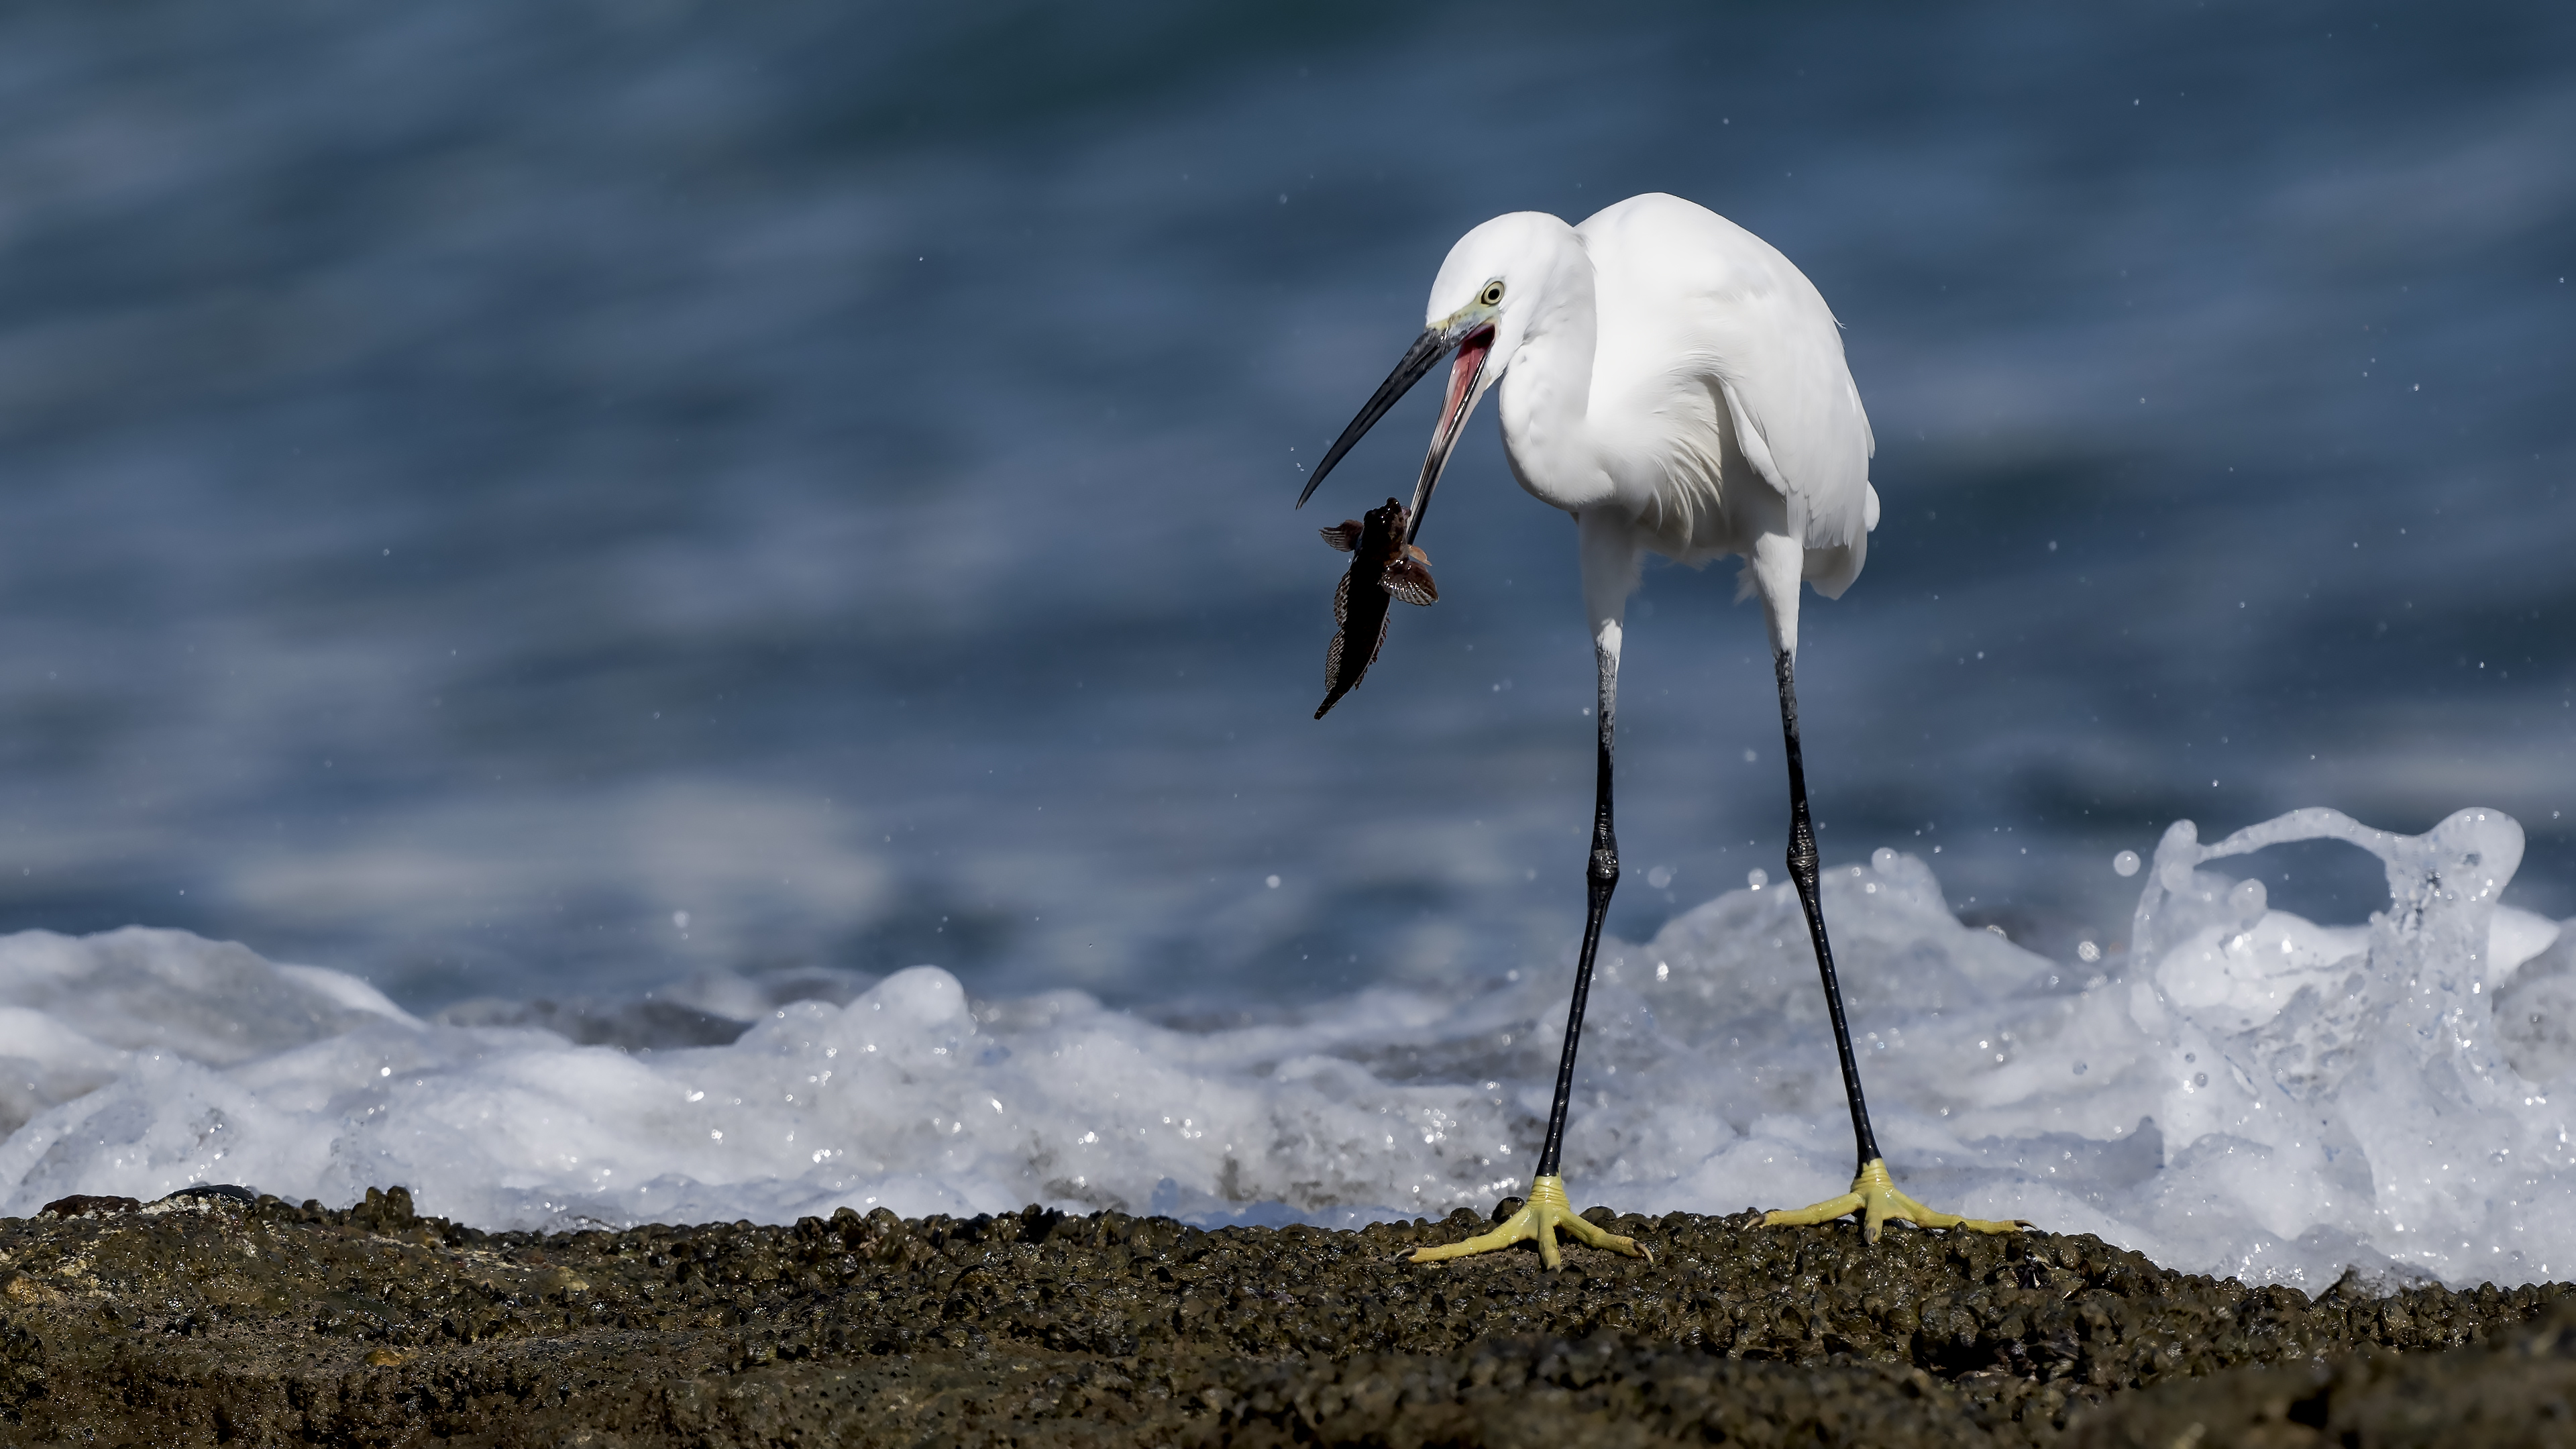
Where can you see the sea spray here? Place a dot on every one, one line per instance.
(2243, 1092)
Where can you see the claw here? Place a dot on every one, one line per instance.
(1874, 1196)
(1540, 1218)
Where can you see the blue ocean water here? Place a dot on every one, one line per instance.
(538, 501)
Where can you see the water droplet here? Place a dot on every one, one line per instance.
(2125, 863)
(1757, 877)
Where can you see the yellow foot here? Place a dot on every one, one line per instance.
(1874, 1196)
(1539, 1218)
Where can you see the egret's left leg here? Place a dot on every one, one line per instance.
(1873, 1193)
(1875, 1199)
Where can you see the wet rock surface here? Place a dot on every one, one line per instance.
(233, 1319)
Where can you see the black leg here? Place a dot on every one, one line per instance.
(1600, 877)
(1802, 869)
(1547, 1213)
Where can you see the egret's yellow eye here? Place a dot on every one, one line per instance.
(1493, 294)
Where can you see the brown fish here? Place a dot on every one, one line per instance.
(1383, 567)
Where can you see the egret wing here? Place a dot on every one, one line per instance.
(1689, 302)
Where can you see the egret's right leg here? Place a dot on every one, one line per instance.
(1547, 1211)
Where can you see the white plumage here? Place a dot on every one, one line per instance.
(1669, 379)
(1672, 380)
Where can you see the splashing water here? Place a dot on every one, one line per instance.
(2244, 1092)
(2367, 1095)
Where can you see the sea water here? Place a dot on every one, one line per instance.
(2242, 1092)
(540, 501)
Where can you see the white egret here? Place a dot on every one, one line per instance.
(1669, 379)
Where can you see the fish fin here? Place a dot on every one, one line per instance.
(1409, 581)
(1343, 536)
(1342, 600)
(1415, 553)
(1382, 622)
(1334, 689)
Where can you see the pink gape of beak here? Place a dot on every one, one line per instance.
(1466, 373)
(1462, 379)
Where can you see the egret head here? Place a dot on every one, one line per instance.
(1489, 288)
(1480, 309)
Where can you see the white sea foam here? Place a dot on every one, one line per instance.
(2243, 1092)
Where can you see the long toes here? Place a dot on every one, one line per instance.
(1607, 1242)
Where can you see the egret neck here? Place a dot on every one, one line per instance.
(1546, 386)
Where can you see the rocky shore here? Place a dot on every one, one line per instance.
(218, 1317)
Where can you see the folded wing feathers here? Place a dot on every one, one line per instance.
(1755, 333)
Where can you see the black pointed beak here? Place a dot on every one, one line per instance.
(1419, 359)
